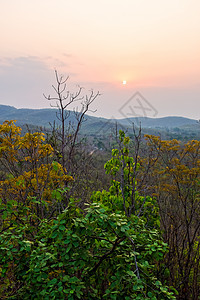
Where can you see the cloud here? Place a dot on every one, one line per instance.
(30, 62)
(23, 81)
(67, 54)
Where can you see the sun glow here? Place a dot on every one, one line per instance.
(124, 82)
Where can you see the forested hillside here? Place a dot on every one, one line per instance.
(168, 127)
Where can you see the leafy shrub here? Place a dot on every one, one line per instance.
(109, 250)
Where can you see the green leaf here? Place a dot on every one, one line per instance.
(62, 227)
(52, 282)
(149, 294)
(54, 234)
(65, 278)
(55, 165)
(60, 289)
(131, 273)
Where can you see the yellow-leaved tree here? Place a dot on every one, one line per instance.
(31, 182)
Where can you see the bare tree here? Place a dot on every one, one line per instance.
(68, 133)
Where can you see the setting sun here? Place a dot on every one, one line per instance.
(124, 81)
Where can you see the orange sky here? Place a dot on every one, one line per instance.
(154, 45)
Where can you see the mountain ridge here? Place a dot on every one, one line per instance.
(45, 116)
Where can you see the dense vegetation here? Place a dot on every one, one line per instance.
(112, 246)
(110, 249)
(70, 231)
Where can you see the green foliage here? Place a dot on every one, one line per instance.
(123, 191)
(109, 250)
(77, 256)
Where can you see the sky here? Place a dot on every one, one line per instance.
(152, 45)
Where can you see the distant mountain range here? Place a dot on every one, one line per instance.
(43, 117)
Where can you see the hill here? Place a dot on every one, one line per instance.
(99, 126)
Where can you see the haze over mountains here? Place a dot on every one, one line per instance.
(43, 117)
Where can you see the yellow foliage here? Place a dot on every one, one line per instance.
(28, 162)
(177, 166)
